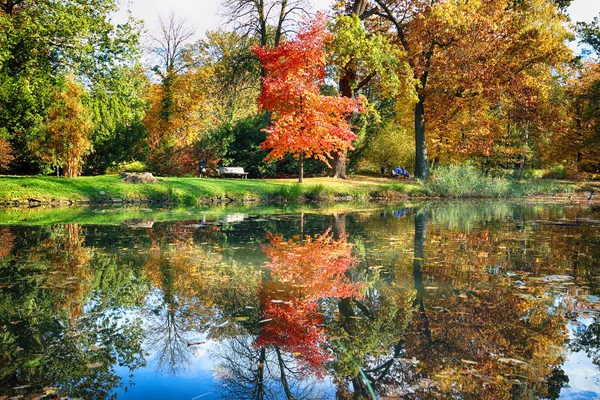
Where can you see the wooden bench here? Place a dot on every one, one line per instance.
(233, 171)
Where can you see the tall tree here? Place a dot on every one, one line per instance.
(589, 33)
(361, 56)
(463, 50)
(117, 105)
(307, 123)
(267, 20)
(173, 116)
(64, 139)
(169, 45)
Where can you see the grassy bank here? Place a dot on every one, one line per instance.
(190, 191)
(452, 182)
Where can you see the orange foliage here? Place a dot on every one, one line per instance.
(6, 154)
(65, 140)
(474, 60)
(580, 141)
(305, 273)
(173, 128)
(69, 270)
(305, 121)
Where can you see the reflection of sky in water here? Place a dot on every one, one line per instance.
(197, 379)
(194, 381)
(584, 376)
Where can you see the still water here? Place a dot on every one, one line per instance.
(414, 301)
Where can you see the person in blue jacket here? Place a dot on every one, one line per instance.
(400, 171)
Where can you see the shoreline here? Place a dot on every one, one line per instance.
(36, 191)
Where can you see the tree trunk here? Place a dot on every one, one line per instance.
(283, 377)
(260, 379)
(421, 165)
(339, 226)
(301, 174)
(338, 166)
(419, 251)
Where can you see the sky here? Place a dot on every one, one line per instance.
(203, 15)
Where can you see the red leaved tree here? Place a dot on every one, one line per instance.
(305, 122)
(304, 273)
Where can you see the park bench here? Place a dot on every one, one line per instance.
(232, 171)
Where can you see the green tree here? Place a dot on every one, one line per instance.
(117, 106)
(589, 33)
(41, 42)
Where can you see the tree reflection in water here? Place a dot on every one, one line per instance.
(289, 352)
(416, 305)
(56, 332)
(317, 310)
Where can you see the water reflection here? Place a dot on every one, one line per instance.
(432, 301)
(53, 329)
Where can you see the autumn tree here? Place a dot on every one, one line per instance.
(64, 140)
(582, 138)
(364, 61)
(234, 79)
(304, 272)
(306, 123)
(465, 52)
(172, 119)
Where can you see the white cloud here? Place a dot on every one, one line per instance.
(584, 10)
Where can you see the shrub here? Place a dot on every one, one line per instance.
(464, 181)
(557, 172)
(318, 192)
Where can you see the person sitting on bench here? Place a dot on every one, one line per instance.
(400, 171)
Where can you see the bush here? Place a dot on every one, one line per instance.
(467, 181)
(464, 181)
(556, 172)
(289, 192)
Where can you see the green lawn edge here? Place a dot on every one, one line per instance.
(190, 191)
(193, 191)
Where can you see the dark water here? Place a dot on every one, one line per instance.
(448, 300)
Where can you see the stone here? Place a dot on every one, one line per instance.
(138, 177)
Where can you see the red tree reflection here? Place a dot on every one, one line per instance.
(304, 273)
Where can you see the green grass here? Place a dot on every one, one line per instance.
(191, 191)
(461, 181)
(452, 181)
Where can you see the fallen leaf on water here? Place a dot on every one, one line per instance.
(512, 361)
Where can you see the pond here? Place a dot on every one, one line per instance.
(476, 300)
